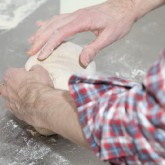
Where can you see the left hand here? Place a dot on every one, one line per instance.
(21, 91)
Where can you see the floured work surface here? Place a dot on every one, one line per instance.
(135, 52)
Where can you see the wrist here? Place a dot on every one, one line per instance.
(127, 9)
(143, 7)
(63, 119)
(43, 105)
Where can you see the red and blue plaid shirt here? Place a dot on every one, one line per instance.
(124, 122)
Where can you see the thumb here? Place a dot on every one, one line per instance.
(36, 68)
(89, 52)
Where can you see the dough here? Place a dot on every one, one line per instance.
(61, 64)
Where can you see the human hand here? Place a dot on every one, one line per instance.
(31, 97)
(22, 92)
(109, 21)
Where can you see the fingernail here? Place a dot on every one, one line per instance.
(41, 56)
(45, 54)
(84, 58)
(86, 61)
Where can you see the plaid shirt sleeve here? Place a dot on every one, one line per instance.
(124, 122)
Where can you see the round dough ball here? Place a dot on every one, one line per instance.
(61, 64)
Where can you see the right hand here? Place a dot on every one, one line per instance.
(109, 21)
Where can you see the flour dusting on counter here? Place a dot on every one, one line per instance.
(24, 148)
(12, 12)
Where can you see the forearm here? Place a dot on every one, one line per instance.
(144, 6)
(63, 118)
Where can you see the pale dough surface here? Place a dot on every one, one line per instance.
(61, 64)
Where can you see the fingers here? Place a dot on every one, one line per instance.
(61, 28)
(46, 24)
(9, 101)
(43, 25)
(39, 41)
(39, 24)
(9, 91)
(13, 73)
(43, 34)
(2, 88)
(89, 52)
(6, 95)
(13, 78)
(60, 35)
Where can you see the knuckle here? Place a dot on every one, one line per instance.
(59, 36)
(83, 14)
(43, 37)
(57, 31)
(92, 50)
(49, 45)
(83, 20)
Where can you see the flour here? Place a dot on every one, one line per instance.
(124, 60)
(133, 75)
(18, 144)
(60, 160)
(137, 72)
(12, 123)
(12, 12)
